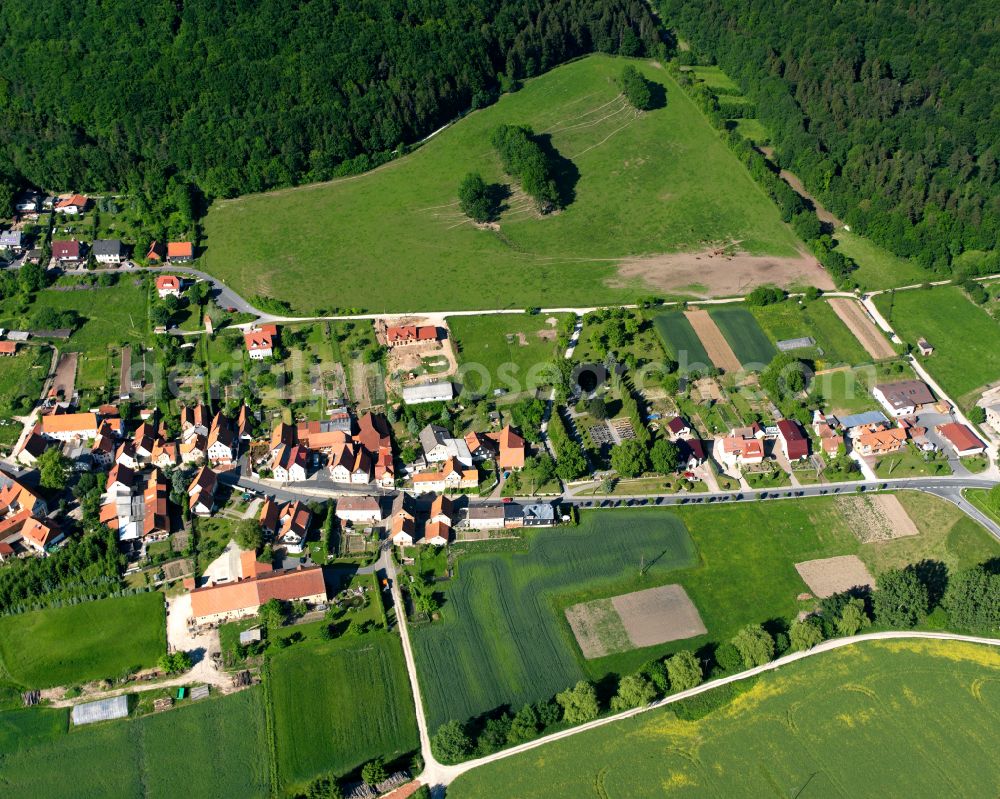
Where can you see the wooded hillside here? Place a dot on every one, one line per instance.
(889, 110)
(239, 97)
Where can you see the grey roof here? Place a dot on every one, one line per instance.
(103, 710)
(868, 417)
(796, 343)
(251, 635)
(428, 392)
(107, 247)
(433, 435)
(486, 510)
(10, 238)
(540, 511)
(905, 393)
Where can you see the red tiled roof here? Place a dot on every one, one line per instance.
(66, 249)
(960, 436)
(406, 333)
(168, 283)
(180, 249)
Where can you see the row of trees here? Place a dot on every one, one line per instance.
(883, 110)
(326, 89)
(571, 463)
(455, 741)
(524, 160)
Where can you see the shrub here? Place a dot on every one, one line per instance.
(636, 89)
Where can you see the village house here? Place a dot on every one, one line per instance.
(359, 510)
(402, 531)
(350, 464)
(193, 449)
(690, 453)
(237, 600)
(793, 441)
(195, 421)
(66, 251)
(830, 440)
(443, 510)
(201, 492)
(155, 253)
(512, 448)
(543, 514)
(260, 341)
(290, 464)
(903, 398)
(962, 439)
(678, 428)
(403, 507)
(32, 448)
(126, 455)
(323, 435)
(294, 521)
(438, 446)
(108, 251)
(743, 447)
(436, 534)
(993, 415)
(66, 426)
(402, 335)
(11, 240)
(450, 477)
(221, 441)
(169, 286)
(880, 441)
(484, 516)
(180, 252)
(23, 527)
(28, 202)
(481, 446)
(166, 454)
(73, 204)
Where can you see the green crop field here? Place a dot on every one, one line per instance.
(835, 344)
(22, 376)
(744, 335)
(89, 641)
(337, 704)
(680, 340)
(879, 268)
(965, 339)
(514, 350)
(907, 718)
(216, 747)
(503, 638)
(392, 239)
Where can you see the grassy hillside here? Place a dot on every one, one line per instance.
(503, 637)
(394, 239)
(89, 641)
(828, 726)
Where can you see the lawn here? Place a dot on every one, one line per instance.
(681, 341)
(216, 747)
(833, 723)
(980, 498)
(21, 376)
(744, 335)
(752, 129)
(878, 268)
(503, 638)
(111, 316)
(337, 704)
(510, 351)
(910, 462)
(966, 356)
(89, 641)
(391, 239)
(835, 344)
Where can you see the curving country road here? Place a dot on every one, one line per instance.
(436, 774)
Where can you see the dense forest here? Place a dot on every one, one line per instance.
(222, 98)
(888, 110)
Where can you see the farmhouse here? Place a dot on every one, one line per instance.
(66, 426)
(66, 251)
(260, 341)
(402, 335)
(323, 435)
(359, 510)
(243, 598)
(73, 204)
(108, 251)
(428, 392)
(201, 492)
(794, 443)
(290, 464)
(179, 251)
(168, 286)
(903, 398)
(962, 439)
(485, 516)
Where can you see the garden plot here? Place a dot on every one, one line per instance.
(877, 518)
(828, 576)
(861, 325)
(635, 620)
(748, 342)
(718, 349)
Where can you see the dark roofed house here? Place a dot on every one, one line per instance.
(108, 251)
(793, 441)
(678, 428)
(904, 397)
(66, 251)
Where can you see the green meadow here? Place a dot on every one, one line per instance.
(904, 718)
(394, 239)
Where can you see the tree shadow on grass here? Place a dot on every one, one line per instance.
(498, 194)
(564, 171)
(657, 95)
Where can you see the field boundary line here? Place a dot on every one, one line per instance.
(446, 774)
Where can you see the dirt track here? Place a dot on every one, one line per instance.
(860, 324)
(715, 343)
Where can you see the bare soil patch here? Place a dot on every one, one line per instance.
(65, 380)
(793, 180)
(714, 273)
(658, 615)
(860, 324)
(881, 517)
(828, 576)
(715, 343)
(598, 628)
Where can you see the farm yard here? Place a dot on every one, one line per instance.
(830, 723)
(514, 350)
(656, 182)
(504, 639)
(90, 641)
(212, 747)
(964, 364)
(337, 704)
